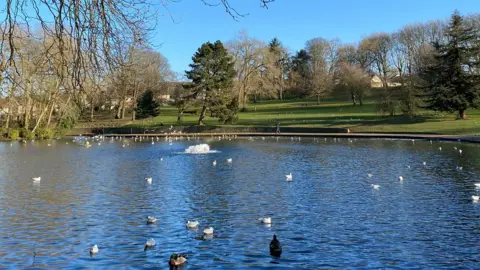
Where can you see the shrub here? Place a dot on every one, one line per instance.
(3, 132)
(13, 134)
(27, 134)
(45, 133)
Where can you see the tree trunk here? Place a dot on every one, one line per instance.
(360, 100)
(318, 99)
(462, 114)
(119, 110)
(27, 113)
(123, 111)
(202, 115)
(91, 109)
(50, 115)
(354, 101)
(180, 116)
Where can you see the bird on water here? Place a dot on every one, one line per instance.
(275, 247)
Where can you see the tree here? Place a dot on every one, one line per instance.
(452, 82)
(212, 73)
(300, 74)
(248, 55)
(147, 106)
(323, 55)
(354, 80)
(277, 63)
(378, 47)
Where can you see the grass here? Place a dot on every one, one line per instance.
(332, 114)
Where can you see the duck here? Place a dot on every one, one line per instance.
(177, 260)
(150, 243)
(377, 187)
(151, 220)
(148, 179)
(266, 220)
(289, 177)
(37, 179)
(475, 198)
(192, 224)
(229, 160)
(94, 249)
(275, 247)
(208, 231)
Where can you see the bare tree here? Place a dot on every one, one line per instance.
(323, 57)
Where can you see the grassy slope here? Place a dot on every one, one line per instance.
(335, 114)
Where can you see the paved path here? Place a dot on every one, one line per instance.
(473, 139)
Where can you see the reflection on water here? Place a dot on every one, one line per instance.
(328, 217)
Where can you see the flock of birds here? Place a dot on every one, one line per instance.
(180, 259)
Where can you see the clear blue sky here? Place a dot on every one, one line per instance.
(292, 21)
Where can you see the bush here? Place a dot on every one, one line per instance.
(13, 134)
(3, 132)
(27, 134)
(66, 123)
(45, 133)
(387, 106)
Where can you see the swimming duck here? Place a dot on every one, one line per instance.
(177, 260)
(275, 247)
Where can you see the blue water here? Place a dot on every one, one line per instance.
(328, 217)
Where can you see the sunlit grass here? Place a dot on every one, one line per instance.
(332, 114)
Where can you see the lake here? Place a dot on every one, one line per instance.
(329, 216)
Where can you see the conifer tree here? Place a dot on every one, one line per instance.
(452, 80)
(212, 73)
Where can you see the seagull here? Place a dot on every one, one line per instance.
(477, 185)
(229, 160)
(440, 148)
(153, 142)
(289, 177)
(460, 168)
(36, 179)
(460, 151)
(475, 198)
(266, 220)
(151, 220)
(148, 179)
(161, 159)
(369, 175)
(214, 163)
(94, 249)
(424, 163)
(377, 187)
(150, 243)
(192, 224)
(208, 231)
(400, 178)
(408, 166)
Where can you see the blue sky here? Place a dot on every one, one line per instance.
(292, 21)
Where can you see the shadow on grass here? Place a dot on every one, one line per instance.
(368, 120)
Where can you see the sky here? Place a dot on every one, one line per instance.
(293, 22)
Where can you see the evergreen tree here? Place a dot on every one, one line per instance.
(147, 106)
(452, 80)
(212, 73)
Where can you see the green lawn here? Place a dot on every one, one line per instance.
(336, 115)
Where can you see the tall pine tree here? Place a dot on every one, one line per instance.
(452, 80)
(212, 73)
(147, 106)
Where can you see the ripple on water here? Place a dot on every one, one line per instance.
(328, 217)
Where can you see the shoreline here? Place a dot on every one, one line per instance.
(403, 136)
